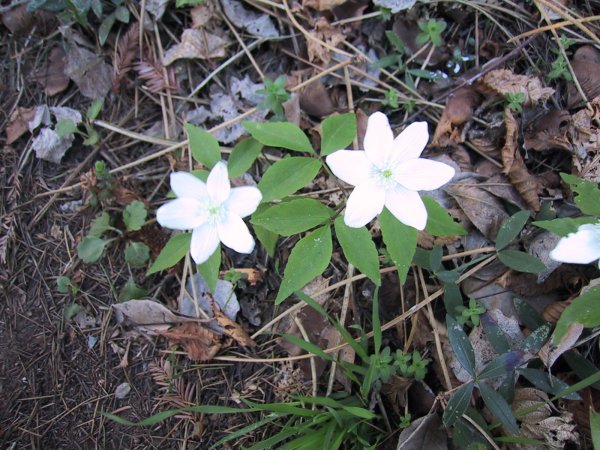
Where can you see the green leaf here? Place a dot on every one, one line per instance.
(100, 225)
(63, 284)
(588, 194)
(122, 14)
(458, 404)
(439, 222)
(564, 226)
(182, 3)
(267, 238)
(535, 341)
(94, 109)
(204, 147)
(527, 314)
(581, 366)
(70, 311)
(210, 269)
(309, 258)
(105, 28)
(511, 228)
(293, 217)
(137, 254)
(65, 127)
(90, 248)
(287, 176)
(548, 382)
(498, 407)
(494, 334)
(279, 134)
(461, 345)
(172, 253)
(243, 156)
(583, 310)
(595, 428)
(359, 248)
(452, 299)
(521, 261)
(502, 365)
(135, 215)
(338, 132)
(131, 291)
(92, 137)
(400, 241)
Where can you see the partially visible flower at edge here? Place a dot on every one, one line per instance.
(389, 173)
(212, 210)
(582, 247)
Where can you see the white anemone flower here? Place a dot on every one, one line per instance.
(582, 247)
(389, 173)
(212, 210)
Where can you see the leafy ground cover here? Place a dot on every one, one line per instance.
(463, 315)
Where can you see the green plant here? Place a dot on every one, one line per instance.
(470, 315)
(560, 66)
(431, 30)
(275, 95)
(391, 99)
(90, 136)
(515, 101)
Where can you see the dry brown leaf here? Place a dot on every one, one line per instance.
(198, 44)
(504, 81)
(89, 72)
(322, 5)
(127, 51)
(396, 390)
(553, 311)
(586, 66)
(200, 343)
(252, 276)
(52, 75)
(323, 31)
(203, 14)
(514, 165)
(255, 23)
(459, 109)
(152, 72)
(551, 350)
(18, 123)
(232, 329)
(315, 100)
(483, 209)
(147, 314)
(549, 131)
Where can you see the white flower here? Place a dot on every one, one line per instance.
(389, 173)
(212, 210)
(581, 247)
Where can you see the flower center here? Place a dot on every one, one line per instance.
(384, 177)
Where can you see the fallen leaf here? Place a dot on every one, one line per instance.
(323, 31)
(233, 329)
(551, 351)
(514, 165)
(315, 100)
(549, 131)
(48, 145)
(586, 66)
(424, 433)
(257, 24)
(504, 81)
(395, 5)
(396, 391)
(484, 210)
(203, 14)
(152, 72)
(18, 123)
(200, 343)
(196, 44)
(89, 72)
(127, 51)
(157, 8)
(459, 109)
(150, 315)
(52, 75)
(323, 5)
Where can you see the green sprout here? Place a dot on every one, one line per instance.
(431, 30)
(405, 421)
(391, 99)
(470, 315)
(411, 366)
(274, 96)
(560, 69)
(515, 100)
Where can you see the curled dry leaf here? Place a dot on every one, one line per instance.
(315, 100)
(424, 433)
(586, 67)
(514, 165)
(259, 25)
(52, 75)
(200, 343)
(504, 81)
(322, 5)
(196, 44)
(147, 314)
(459, 109)
(233, 329)
(551, 350)
(18, 123)
(549, 131)
(553, 311)
(485, 211)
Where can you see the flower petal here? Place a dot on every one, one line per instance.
(182, 214)
(582, 247)
(350, 166)
(244, 200)
(379, 139)
(407, 207)
(410, 143)
(423, 174)
(205, 241)
(364, 203)
(234, 233)
(185, 184)
(217, 183)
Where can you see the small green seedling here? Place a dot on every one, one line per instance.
(411, 366)
(431, 30)
(405, 421)
(470, 315)
(515, 101)
(65, 286)
(275, 95)
(391, 99)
